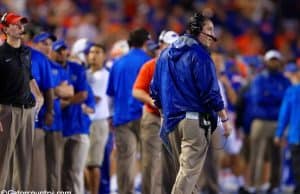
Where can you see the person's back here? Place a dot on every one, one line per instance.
(289, 115)
(127, 109)
(180, 67)
(122, 77)
(185, 87)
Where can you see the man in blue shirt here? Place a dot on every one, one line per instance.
(289, 116)
(266, 93)
(49, 141)
(185, 88)
(127, 109)
(41, 71)
(75, 130)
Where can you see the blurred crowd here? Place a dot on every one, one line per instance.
(254, 37)
(243, 27)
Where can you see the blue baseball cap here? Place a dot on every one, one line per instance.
(88, 46)
(59, 44)
(43, 36)
(291, 67)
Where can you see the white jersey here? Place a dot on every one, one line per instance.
(98, 80)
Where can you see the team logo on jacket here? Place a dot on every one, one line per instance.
(74, 77)
(54, 71)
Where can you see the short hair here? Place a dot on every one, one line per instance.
(138, 37)
(98, 45)
(196, 23)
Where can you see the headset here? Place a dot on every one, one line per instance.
(161, 36)
(3, 19)
(196, 24)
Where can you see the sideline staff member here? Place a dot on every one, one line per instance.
(185, 87)
(16, 101)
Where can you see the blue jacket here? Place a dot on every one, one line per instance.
(267, 91)
(289, 115)
(185, 81)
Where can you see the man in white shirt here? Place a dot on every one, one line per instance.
(97, 77)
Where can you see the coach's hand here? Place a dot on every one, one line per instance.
(227, 128)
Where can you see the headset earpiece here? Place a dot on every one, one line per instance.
(3, 19)
(196, 23)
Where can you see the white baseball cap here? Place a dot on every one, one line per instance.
(119, 48)
(168, 37)
(272, 54)
(78, 49)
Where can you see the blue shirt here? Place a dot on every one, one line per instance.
(185, 81)
(59, 75)
(121, 79)
(73, 122)
(289, 115)
(267, 91)
(91, 103)
(41, 71)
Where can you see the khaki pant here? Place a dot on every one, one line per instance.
(188, 145)
(98, 137)
(127, 139)
(75, 154)
(16, 140)
(54, 159)
(263, 149)
(46, 160)
(170, 161)
(209, 176)
(38, 178)
(151, 154)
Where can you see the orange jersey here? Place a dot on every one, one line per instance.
(143, 81)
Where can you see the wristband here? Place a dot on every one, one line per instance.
(224, 120)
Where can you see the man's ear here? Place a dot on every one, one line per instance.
(4, 29)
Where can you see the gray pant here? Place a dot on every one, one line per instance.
(127, 139)
(16, 140)
(191, 140)
(75, 155)
(46, 160)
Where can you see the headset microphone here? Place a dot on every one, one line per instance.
(210, 36)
